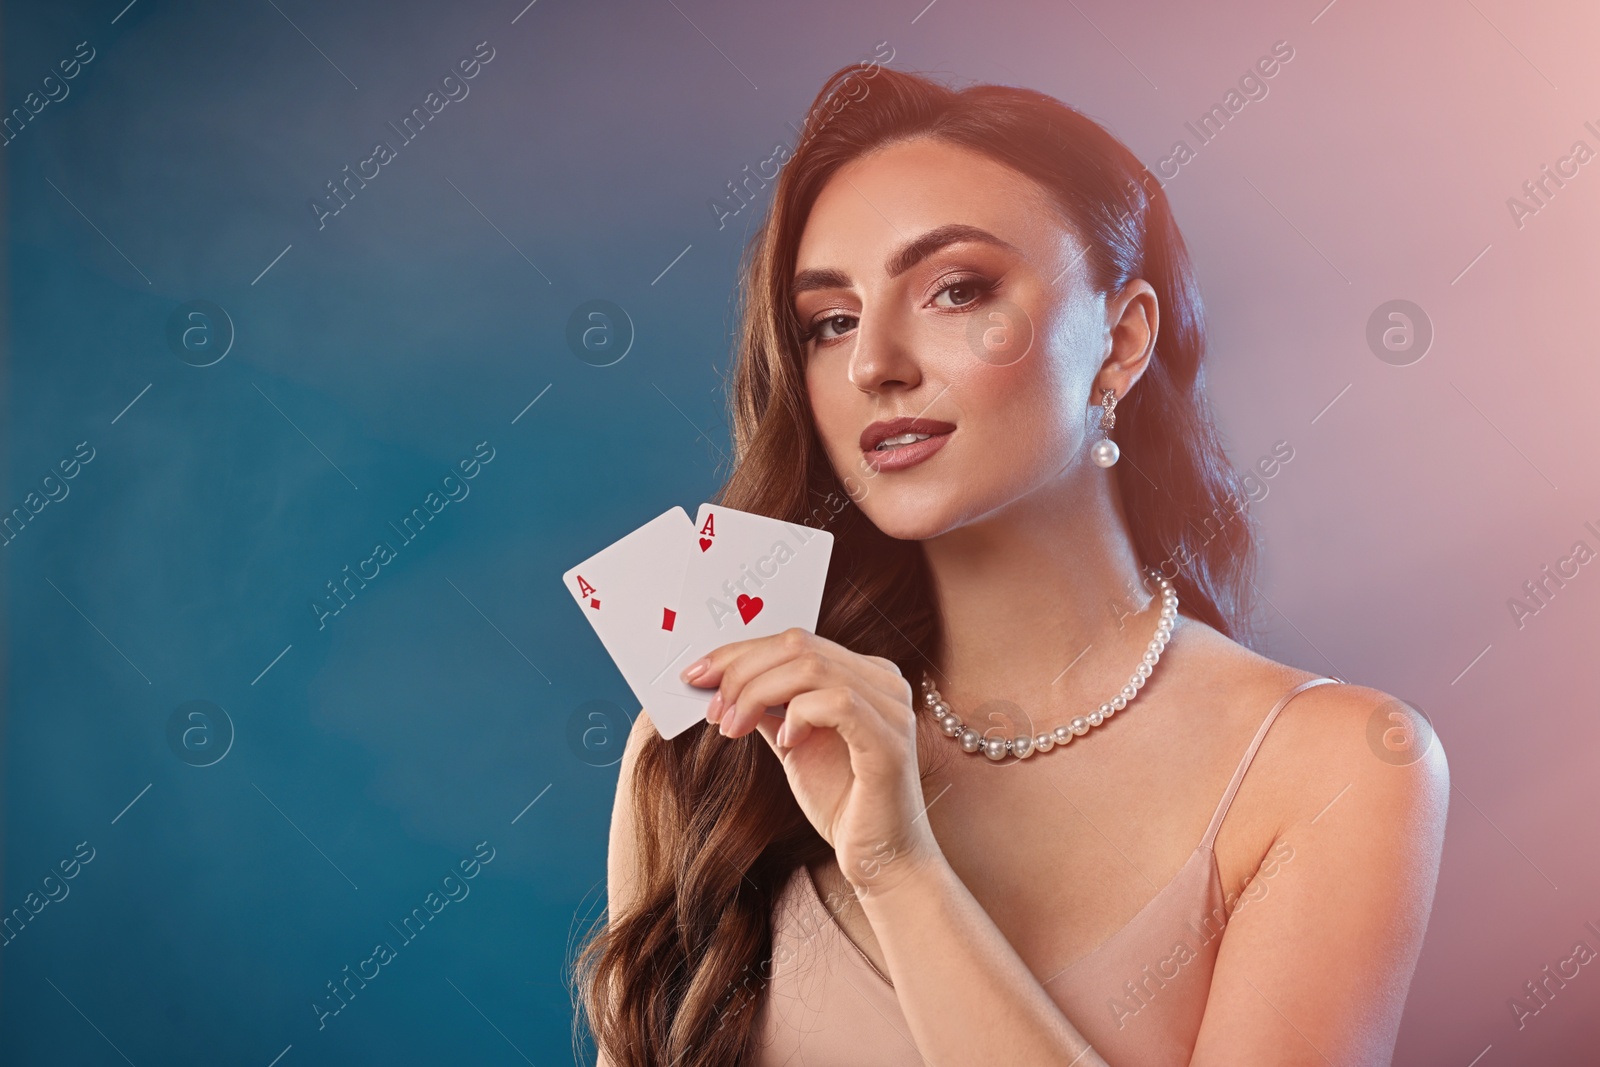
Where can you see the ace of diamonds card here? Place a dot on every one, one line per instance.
(629, 590)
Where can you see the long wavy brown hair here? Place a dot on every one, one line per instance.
(677, 978)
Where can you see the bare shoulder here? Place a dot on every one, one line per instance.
(622, 846)
(643, 730)
(1332, 746)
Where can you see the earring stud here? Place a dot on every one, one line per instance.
(1105, 451)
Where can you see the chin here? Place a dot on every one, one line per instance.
(910, 519)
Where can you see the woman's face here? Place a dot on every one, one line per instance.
(936, 284)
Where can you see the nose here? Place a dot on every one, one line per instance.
(880, 359)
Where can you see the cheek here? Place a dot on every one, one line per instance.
(1020, 412)
(1036, 398)
(833, 408)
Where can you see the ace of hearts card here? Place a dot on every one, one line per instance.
(746, 576)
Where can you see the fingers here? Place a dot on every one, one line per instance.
(768, 727)
(886, 664)
(787, 664)
(898, 685)
(877, 735)
(744, 703)
(707, 671)
(729, 666)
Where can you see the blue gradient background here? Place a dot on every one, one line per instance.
(431, 712)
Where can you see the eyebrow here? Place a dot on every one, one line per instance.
(906, 257)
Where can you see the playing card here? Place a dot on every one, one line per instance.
(629, 593)
(747, 576)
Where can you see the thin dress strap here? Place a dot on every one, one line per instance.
(1249, 754)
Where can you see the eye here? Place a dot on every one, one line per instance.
(970, 290)
(829, 329)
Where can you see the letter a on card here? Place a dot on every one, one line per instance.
(708, 533)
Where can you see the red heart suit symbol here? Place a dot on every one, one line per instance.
(749, 607)
(705, 543)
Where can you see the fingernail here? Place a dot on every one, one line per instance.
(696, 669)
(714, 709)
(783, 735)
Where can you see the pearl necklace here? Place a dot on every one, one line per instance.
(998, 748)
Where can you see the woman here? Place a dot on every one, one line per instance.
(967, 831)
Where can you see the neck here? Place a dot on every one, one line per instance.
(1042, 602)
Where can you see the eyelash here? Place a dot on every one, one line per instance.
(983, 286)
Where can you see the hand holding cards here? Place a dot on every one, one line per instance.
(672, 591)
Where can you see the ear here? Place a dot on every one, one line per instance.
(1133, 319)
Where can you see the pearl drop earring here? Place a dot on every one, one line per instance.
(1105, 451)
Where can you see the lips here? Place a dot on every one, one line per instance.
(882, 431)
(903, 456)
